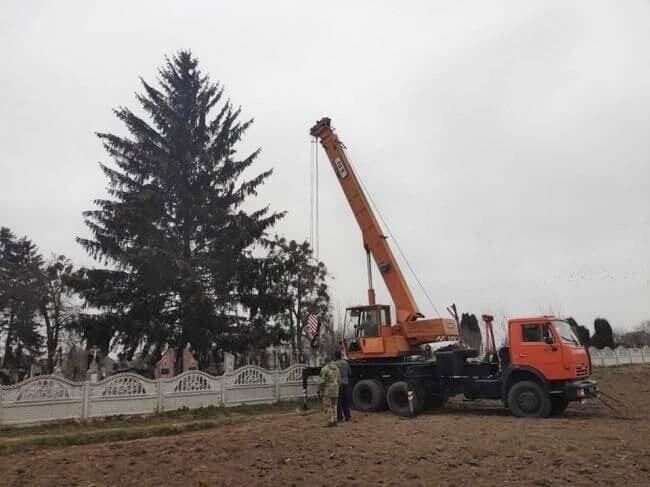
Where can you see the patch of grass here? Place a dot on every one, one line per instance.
(123, 428)
(101, 436)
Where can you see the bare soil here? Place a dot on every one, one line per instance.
(474, 443)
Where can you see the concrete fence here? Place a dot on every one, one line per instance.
(54, 398)
(608, 357)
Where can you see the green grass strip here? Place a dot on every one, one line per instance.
(119, 428)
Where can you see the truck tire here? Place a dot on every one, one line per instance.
(368, 395)
(527, 399)
(398, 402)
(558, 405)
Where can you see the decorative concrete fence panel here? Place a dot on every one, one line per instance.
(290, 383)
(40, 399)
(126, 394)
(623, 355)
(53, 398)
(249, 385)
(609, 357)
(191, 389)
(636, 355)
(619, 356)
(596, 357)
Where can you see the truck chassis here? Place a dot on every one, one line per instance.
(380, 384)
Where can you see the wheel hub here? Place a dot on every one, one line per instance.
(365, 395)
(528, 401)
(401, 398)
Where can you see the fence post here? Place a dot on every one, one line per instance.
(159, 402)
(224, 399)
(85, 399)
(276, 380)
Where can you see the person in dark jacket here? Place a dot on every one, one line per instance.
(345, 373)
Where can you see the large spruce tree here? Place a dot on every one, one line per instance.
(173, 232)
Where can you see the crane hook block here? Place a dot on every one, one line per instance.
(323, 123)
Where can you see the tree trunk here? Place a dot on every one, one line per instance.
(299, 325)
(7, 340)
(50, 345)
(299, 330)
(292, 331)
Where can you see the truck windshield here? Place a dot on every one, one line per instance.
(566, 332)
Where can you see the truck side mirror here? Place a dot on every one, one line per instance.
(549, 340)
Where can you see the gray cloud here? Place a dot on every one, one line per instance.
(506, 144)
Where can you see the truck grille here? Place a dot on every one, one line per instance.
(582, 370)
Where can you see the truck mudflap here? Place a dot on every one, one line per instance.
(581, 389)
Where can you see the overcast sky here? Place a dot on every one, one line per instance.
(506, 143)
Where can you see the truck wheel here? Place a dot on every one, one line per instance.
(398, 399)
(527, 399)
(558, 405)
(368, 395)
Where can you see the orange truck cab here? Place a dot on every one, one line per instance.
(538, 373)
(549, 347)
(545, 351)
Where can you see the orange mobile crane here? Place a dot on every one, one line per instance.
(542, 368)
(372, 334)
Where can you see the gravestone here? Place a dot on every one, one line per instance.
(92, 374)
(122, 364)
(228, 361)
(38, 368)
(212, 369)
(165, 366)
(189, 362)
(107, 367)
(138, 363)
(58, 363)
(284, 360)
(75, 365)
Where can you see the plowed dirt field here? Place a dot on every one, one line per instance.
(466, 444)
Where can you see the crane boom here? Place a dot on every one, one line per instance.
(374, 336)
(374, 240)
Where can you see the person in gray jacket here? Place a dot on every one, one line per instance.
(345, 372)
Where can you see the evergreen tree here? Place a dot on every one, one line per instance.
(603, 335)
(581, 332)
(174, 230)
(20, 265)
